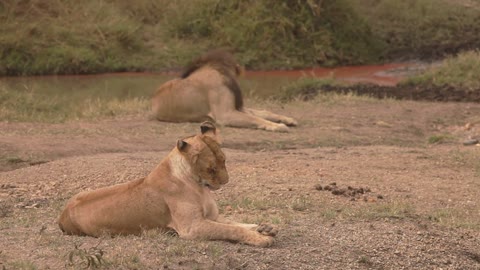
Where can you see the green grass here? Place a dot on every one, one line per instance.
(271, 35)
(64, 37)
(35, 107)
(455, 218)
(441, 138)
(391, 210)
(58, 102)
(247, 203)
(460, 71)
(304, 89)
(60, 37)
(467, 158)
(21, 265)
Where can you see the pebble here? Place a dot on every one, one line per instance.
(470, 142)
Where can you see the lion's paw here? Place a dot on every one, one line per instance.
(267, 229)
(290, 122)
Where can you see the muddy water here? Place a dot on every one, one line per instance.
(130, 85)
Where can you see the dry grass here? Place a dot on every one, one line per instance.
(30, 106)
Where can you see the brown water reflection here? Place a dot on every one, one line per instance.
(255, 83)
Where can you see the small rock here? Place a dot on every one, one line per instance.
(35, 205)
(318, 187)
(470, 142)
(6, 186)
(383, 124)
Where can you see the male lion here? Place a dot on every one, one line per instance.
(208, 90)
(175, 195)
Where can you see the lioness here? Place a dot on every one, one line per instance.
(208, 90)
(175, 195)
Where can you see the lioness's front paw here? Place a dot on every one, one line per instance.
(267, 229)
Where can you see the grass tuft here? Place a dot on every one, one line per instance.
(32, 106)
(438, 139)
(455, 218)
(86, 258)
(460, 71)
(302, 89)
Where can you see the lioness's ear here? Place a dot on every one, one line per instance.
(182, 145)
(208, 126)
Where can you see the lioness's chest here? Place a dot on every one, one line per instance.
(209, 206)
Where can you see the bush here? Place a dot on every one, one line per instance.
(422, 28)
(272, 34)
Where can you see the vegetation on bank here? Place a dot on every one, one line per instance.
(461, 71)
(456, 78)
(109, 98)
(71, 37)
(23, 106)
(422, 29)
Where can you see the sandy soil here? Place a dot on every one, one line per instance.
(419, 208)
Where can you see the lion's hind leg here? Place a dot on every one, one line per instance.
(270, 116)
(245, 120)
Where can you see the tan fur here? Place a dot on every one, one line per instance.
(175, 195)
(208, 90)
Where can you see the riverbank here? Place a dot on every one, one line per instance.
(115, 36)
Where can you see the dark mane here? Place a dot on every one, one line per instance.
(224, 62)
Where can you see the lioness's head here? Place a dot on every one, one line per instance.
(205, 158)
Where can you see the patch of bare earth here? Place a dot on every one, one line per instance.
(421, 210)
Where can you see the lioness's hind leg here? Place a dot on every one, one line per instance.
(270, 116)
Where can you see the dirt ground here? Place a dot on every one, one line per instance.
(361, 183)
